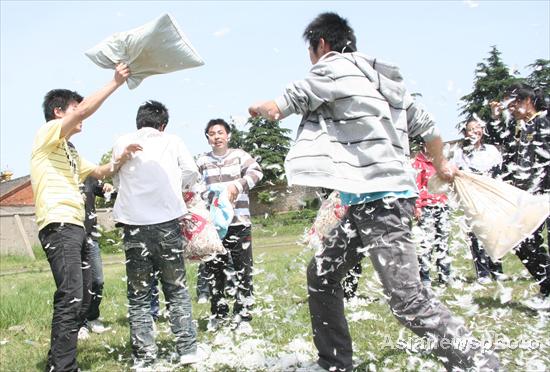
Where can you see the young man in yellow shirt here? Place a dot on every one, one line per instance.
(57, 172)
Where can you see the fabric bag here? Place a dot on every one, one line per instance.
(500, 215)
(328, 218)
(201, 240)
(157, 47)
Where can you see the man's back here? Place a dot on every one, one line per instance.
(150, 185)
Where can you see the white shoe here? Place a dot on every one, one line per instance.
(83, 333)
(215, 323)
(203, 299)
(244, 328)
(484, 280)
(195, 357)
(539, 302)
(96, 326)
(501, 277)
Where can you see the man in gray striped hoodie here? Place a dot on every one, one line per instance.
(354, 138)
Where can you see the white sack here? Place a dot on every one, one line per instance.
(500, 215)
(157, 47)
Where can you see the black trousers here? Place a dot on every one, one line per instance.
(238, 243)
(66, 249)
(483, 263)
(535, 258)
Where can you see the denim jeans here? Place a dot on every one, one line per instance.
(157, 249)
(97, 278)
(238, 243)
(67, 253)
(382, 230)
(434, 224)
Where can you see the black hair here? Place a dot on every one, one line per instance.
(523, 91)
(213, 122)
(58, 98)
(334, 29)
(152, 114)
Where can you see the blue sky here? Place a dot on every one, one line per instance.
(252, 49)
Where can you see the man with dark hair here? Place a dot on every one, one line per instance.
(527, 166)
(56, 174)
(354, 138)
(238, 172)
(149, 204)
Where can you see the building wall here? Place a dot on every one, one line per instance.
(23, 196)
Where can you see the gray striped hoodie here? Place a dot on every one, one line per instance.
(357, 120)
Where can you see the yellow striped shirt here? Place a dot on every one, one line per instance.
(56, 174)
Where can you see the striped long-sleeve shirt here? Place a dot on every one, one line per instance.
(235, 167)
(357, 117)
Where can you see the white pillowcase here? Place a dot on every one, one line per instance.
(157, 47)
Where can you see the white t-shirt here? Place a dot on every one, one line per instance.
(480, 160)
(150, 185)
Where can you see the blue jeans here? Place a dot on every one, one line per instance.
(157, 249)
(97, 278)
(381, 230)
(67, 253)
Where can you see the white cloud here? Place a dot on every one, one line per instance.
(222, 32)
(471, 3)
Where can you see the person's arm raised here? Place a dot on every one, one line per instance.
(91, 103)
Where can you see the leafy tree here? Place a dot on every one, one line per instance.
(540, 75)
(269, 142)
(237, 140)
(492, 77)
(101, 202)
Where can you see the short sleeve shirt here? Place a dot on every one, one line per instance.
(56, 174)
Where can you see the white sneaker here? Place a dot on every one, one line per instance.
(195, 357)
(484, 280)
(96, 326)
(83, 333)
(539, 302)
(501, 277)
(215, 323)
(311, 367)
(203, 299)
(244, 328)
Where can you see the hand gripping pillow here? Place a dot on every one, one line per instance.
(157, 47)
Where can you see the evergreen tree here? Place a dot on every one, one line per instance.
(492, 77)
(269, 142)
(540, 75)
(237, 140)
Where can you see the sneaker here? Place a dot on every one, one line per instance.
(539, 302)
(501, 277)
(203, 299)
(215, 323)
(96, 326)
(484, 280)
(83, 333)
(244, 328)
(197, 356)
(427, 283)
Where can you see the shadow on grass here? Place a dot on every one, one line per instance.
(489, 302)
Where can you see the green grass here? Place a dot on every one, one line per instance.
(281, 317)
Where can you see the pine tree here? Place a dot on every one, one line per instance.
(237, 140)
(492, 77)
(540, 75)
(269, 142)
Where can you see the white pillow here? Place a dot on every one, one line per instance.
(157, 47)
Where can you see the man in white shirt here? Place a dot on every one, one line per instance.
(149, 203)
(477, 157)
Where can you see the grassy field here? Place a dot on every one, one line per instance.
(282, 338)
